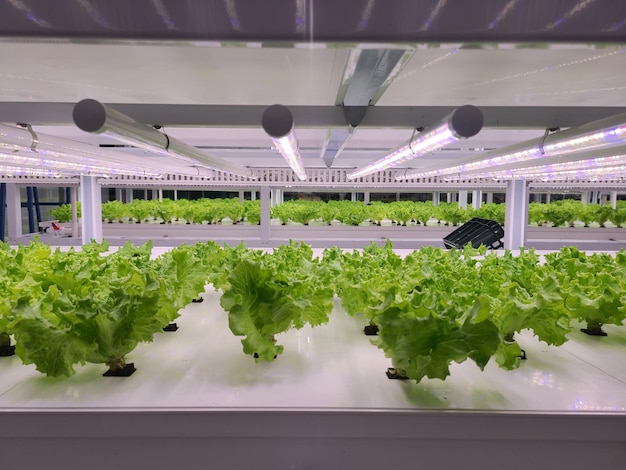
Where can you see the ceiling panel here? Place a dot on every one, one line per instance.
(254, 74)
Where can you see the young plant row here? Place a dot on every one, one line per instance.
(68, 308)
(212, 211)
(432, 307)
(435, 307)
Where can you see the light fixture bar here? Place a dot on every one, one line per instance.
(462, 123)
(277, 122)
(49, 150)
(595, 136)
(29, 171)
(74, 167)
(96, 118)
(594, 163)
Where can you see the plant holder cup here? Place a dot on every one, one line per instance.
(8, 350)
(594, 329)
(508, 338)
(395, 374)
(119, 368)
(273, 340)
(170, 327)
(371, 329)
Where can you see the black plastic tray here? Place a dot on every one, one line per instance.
(478, 232)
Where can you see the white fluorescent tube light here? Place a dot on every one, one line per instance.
(96, 118)
(277, 122)
(598, 135)
(463, 123)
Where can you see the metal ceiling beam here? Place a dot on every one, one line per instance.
(368, 73)
(531, 117)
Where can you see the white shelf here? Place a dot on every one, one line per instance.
(324, 403)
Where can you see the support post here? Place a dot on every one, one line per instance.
(516, 214)
(366, 197)
(265, 215)
(603, 199)
(436, 198)
(3, 209)
(463, 199)
(129, 195)
(489, 198)
(276, 197)
(477, 199)
(241, 197)
(74, 204)
(547, 198)
(253, 195)
(91, 197)
(14, 212)
(595, 196)
(30, 209)
(160, 194)
(37, 206)
(584, 197)
(613, 195)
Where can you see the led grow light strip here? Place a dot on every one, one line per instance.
(28, 171)
(556, 167)
(463, 123)
(602, 134)
(66, 166)
(64, 152)
(277, 122)
(96, 118)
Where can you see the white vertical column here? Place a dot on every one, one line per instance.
(74, 205)
(241, 197)
(155, 194)
(176, 195)
(436, 198)
(91, 197)
(547, 198)
(14, 212)
(595, 196)
(516, 214)
(477, 198)
(276, 197)
(129, 195)
(119, 194)
(584, 197)
(603, 199)
(489, 198)
(265, 215)
(253, 195)
(366, 197)
(613, 199)
(160, 194)
(463, 199)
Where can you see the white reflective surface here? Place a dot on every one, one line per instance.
(333, 366)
